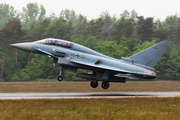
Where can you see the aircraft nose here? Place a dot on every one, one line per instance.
(23, 46)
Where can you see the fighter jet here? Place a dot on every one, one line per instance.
(71, 57)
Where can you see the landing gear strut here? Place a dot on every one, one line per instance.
(94, 84)
(60, 78)
(105, 85)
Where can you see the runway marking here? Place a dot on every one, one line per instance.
(15, 98)
(35, 98)
(95, 95)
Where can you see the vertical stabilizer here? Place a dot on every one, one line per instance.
(151, 55)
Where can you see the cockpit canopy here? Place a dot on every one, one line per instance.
(71, 45)
(56, 42)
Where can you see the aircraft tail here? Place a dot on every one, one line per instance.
(151, 55)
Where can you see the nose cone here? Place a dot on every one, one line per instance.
(23, 46)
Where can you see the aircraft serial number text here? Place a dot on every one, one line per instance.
(78, 55)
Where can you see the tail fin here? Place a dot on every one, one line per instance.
(151, 55)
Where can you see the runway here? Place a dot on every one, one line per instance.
(87, 95)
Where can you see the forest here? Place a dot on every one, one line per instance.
(114, 35)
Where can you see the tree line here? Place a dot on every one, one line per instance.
(115, 36)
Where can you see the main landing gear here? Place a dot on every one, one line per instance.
(94, 84)
(104, 85)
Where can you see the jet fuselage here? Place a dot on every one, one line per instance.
(71, 56)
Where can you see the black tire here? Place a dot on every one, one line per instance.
(94, 84)
(105, 85)
(60, 78)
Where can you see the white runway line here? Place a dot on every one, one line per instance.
(14, 96)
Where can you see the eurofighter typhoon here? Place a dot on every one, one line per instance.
(71, 57)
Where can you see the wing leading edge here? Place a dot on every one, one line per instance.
(105, 67)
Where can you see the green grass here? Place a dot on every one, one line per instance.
(130, 86)
(92, 109)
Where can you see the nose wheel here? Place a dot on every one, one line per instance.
(105, 85)
(94, 84)
(60, 78)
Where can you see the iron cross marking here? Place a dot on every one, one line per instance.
(77, 55)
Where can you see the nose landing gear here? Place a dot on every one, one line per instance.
(60, 78)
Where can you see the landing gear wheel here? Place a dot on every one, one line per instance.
(60, 78)
(105, 85)
(94, 84)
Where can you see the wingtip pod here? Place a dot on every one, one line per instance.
(165, 42)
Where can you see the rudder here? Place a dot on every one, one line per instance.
(151, 55)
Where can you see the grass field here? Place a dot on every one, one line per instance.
(130, 86)
(92, 109)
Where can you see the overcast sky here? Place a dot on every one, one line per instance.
(93, 8)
